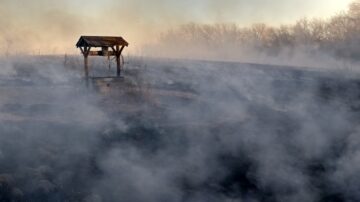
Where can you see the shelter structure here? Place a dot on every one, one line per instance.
(105, 45)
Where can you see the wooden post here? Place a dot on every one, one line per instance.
(118, 52)
(118, 66)
(85, 51)
(86, 66)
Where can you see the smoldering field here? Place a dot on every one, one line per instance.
(245, 132)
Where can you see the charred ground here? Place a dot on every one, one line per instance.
(178, 131)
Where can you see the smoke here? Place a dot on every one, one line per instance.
(175, 130)
(38, 27)
(200, 131)
(308, 42)
(52, 27)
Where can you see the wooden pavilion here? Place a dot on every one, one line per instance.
(106, 45)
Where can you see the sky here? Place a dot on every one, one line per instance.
(53, 26)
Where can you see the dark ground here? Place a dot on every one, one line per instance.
(179, 131)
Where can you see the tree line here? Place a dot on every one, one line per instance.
(338, 36)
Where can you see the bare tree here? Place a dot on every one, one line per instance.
(339, 34)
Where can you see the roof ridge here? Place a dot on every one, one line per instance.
(101, 41)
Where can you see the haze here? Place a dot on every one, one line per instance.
(52, 27)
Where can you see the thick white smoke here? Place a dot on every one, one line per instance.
(246, 133)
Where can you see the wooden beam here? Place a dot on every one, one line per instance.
(82, 50)
(100, 53)
(121, 50)
(87, 51)
(112, 47)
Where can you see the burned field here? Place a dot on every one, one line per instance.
(177, 131)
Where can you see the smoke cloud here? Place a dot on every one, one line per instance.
(52, 27)
(222, 132)
(173, 130)
(316, 42)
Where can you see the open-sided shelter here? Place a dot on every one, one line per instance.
(108, 45)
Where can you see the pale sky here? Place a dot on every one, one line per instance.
(54, 26)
